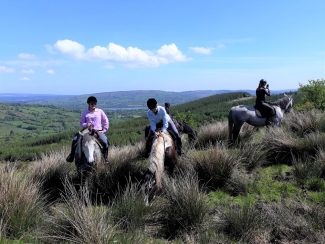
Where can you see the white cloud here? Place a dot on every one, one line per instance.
(202, 50)
(24, 78)
(4, 69)
(28, 71)
(26, 56)
(130, 56)
(50, 71)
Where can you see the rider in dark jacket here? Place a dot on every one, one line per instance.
(265, 108)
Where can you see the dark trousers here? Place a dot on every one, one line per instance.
(266, 109)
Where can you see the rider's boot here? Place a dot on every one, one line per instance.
(105, 152)
(70, 158)
(179, 146)
(148, 147)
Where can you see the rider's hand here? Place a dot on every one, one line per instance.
(88, 124)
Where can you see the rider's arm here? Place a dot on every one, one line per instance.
(267, 91)
(165, 119)
(83, 122)
(105, 121)
(151, 120)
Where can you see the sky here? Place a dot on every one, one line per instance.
(70, 47)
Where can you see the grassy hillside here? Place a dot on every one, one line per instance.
(268, 189)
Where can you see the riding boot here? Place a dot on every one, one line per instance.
(179, 146)
(70, 158)
(148, 147)
(105, 152)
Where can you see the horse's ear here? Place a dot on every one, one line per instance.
(285, 95)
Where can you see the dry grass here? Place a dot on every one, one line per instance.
(305, 122)
(214, 166)
(22, 207)
(211, 134)
(79, 221)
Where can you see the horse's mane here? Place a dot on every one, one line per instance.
(282, 102)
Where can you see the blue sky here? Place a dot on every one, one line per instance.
(85, 47)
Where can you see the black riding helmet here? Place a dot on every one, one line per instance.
(92, 99)
(167, 104)
(262, 82)
(151, 103)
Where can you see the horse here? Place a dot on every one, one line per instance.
(163, 154)
(181, 126)
(240, 114)
(88, 152)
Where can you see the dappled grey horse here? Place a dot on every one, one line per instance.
(240, 114)
(88, 152)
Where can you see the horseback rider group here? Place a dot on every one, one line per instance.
(159, 119)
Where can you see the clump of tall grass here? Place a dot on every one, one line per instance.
(214, 166)
(238, 184)
(241, 221)
(106, 180)
(187, 209)
(77, 220)
(310, 171)
(212, 134)
(280, 145)
(290, 223)
(252, 155)
(305, 122)
(50, 171)
(22, 207)
(129, 211)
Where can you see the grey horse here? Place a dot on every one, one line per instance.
(240, 114)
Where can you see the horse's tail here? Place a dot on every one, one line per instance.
(157, 158)
(230, 125)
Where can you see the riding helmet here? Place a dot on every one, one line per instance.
(167, 104)
(151, 103)
(92, 99)
(262, 81)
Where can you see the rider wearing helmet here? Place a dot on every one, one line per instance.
(167, 106)
(158, 115)
(92, 118)
(265, 108)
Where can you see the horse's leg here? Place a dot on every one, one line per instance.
(236, 131)
(230, 127)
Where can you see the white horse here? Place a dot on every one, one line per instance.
(88, 151)
(163, 153)
(240, 114)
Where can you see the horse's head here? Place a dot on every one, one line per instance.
(287, 105)
(89, 147)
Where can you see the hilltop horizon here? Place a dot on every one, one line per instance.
(140, 90)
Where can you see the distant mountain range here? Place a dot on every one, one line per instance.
(119, 99)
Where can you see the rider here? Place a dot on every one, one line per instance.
(92, 118)
(261, 104)
(167, 106)
(157, 114)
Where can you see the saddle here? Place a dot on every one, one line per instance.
(262, 113)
